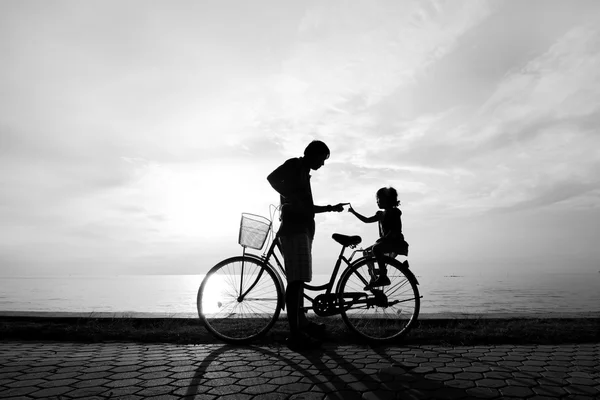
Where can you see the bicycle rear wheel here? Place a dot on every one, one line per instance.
(239, 299)
(380, 315)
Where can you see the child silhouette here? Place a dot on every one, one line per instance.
(391, 239)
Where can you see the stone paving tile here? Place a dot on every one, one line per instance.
(163, 371)
(51, 392)
(86, 392)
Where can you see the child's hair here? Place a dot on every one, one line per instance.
(390, 194)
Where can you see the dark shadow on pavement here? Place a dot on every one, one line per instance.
(331, 372)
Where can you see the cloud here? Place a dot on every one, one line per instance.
(541, 119)
(557, 192)
(349, 57)
(147, 128)
(563, 81)
(536, 131)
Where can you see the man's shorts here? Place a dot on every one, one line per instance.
(297, 256)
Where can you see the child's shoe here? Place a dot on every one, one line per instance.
(381, 280)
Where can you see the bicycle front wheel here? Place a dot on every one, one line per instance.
(239, 299)
(382, 314)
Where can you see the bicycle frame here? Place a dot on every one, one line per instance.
(368, 310)
(327, 288)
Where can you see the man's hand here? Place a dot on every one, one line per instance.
(339, 207)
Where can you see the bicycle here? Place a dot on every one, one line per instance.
(241, 297)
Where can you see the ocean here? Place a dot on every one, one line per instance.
(510, 294)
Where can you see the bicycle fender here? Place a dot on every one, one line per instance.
(279, 280)
(409, 274)
(403, 267)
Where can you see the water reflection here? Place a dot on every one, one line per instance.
(175, 295)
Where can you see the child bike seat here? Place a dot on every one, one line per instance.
(345, 240)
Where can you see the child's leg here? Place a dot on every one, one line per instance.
(371, 267)
(379, 249)
(382, 279)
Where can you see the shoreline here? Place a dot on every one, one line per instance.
(448, 331)
(184, 316)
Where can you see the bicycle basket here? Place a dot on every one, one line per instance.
(254, 230)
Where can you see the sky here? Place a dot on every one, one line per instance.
(133, 134)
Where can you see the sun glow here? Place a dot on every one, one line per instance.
(203, 200)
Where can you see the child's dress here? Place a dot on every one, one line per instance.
(390, 231)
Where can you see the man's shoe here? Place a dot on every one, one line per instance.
(315, 329)
(302, 341)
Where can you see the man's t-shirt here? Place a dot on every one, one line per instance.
(297, 209)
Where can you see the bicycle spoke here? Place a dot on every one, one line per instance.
(387, 312)
(236, 316)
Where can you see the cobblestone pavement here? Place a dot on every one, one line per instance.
(166, 371)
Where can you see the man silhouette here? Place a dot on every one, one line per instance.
(296, 232)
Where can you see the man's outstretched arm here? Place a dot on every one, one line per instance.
(337, 208)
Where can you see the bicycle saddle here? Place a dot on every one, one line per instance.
(345, 240)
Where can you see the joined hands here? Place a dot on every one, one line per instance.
(339, 207)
